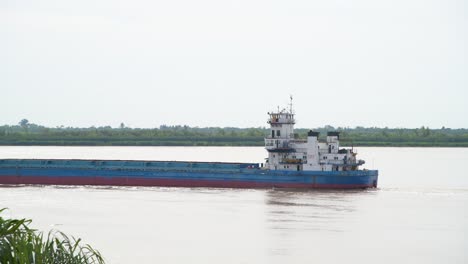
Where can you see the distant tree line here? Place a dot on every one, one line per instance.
(26, 133)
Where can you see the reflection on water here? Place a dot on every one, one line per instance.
(307, 210)
(262, 226)
(290, 214)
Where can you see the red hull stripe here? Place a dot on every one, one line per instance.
(117, 181)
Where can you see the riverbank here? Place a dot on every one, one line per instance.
(34, 135)
(239, 143)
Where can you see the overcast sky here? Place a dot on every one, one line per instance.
(399, 63)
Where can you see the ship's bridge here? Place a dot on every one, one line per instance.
(282, 127)
(281, 118)
(282, 131)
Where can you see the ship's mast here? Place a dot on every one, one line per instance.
(290, 104)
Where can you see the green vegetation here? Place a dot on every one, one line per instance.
(26, 133)
(20, 244)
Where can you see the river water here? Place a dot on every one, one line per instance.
(418, 214)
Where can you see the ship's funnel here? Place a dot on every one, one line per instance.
(313, 134)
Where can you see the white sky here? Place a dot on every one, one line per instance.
(399, 63)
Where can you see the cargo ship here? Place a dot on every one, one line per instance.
(292, 162)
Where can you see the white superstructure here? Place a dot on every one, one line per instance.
(287, 152)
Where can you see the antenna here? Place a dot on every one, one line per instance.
(290, 104)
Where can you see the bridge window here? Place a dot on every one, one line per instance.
(277, 133)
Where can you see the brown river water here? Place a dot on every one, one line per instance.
(418, 214)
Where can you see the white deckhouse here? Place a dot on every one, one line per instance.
(287, 152)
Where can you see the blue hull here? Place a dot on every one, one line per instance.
(178, 174)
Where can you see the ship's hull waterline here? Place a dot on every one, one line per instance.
(176, 174)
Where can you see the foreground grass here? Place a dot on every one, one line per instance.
(21, 244)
